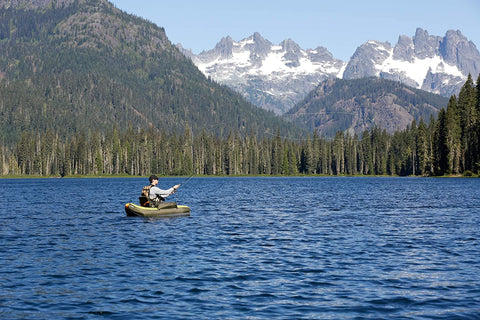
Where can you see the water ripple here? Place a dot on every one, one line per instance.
(253, 248)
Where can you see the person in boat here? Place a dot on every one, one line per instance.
(157, 195)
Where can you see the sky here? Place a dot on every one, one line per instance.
(338, 25)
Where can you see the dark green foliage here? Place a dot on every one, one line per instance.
(444, 146)
(448, 145)
(441, 146)
(89, 66)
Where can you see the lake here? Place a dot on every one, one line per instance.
(253, 248)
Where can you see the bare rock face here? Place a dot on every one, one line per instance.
(276, 77)
(431, 63)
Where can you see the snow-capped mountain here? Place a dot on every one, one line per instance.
(431, 63)
(276, 77)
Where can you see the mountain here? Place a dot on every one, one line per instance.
(81, 65)
(431, 63)
(357, 105)
(276, 77)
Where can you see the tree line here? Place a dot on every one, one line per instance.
(61, 70)
(448, 144)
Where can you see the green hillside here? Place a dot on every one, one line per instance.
(357, 105)
(86, 65)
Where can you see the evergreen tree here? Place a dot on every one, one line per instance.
(338, 148)
(441, 145)
(422, 149)
(367, 166)
(454, 136)
(468, 120)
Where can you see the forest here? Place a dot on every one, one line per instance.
(446, 145)
(78, 84)
(87, 65)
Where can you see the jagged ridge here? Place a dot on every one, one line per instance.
(276, 77)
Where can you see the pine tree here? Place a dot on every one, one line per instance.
(441, 145)
(338, 148)
(367, 161)
(468, 120)
(422, 149)
(277, 154)
(476, 160)
(188, 151)
(454, 136)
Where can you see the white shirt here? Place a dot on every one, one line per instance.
(154, 191)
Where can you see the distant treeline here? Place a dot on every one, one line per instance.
(449, 144)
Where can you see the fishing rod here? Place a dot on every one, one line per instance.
(181, 184)
(186, 180)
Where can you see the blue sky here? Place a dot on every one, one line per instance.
(339, 25)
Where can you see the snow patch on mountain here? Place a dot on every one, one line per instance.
(276, 77)
(417, 69)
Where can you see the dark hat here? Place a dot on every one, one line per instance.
(152, 177)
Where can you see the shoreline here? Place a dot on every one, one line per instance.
(230, 176)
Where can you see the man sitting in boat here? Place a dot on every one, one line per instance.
(156, 195)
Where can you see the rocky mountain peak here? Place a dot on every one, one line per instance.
(272, 76)
(360, 66)
(276, 77)
(404, 50)
(457, 50)
(258, 46)
(426, 46)
(225, 47)
(290, 46)
(293, 52)
(432, 63)
(321, 54)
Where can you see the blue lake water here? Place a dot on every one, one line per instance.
(253, 248)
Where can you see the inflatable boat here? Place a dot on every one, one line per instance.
(165, 210)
